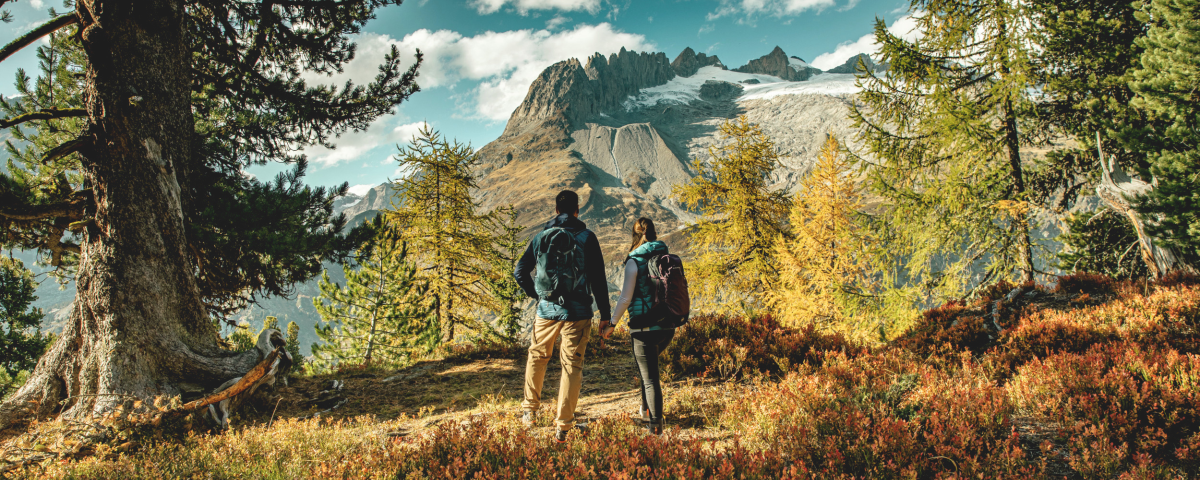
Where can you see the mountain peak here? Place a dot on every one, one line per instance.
(689, 62)
(851, 65)
(570, 92)
(778, 64)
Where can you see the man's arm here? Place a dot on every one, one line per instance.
(524, 268)
(595, 266)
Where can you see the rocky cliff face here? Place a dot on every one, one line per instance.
(688, 62)
(360, 209)
(780, 65)
(569, 92)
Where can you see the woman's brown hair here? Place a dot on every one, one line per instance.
(643, 231)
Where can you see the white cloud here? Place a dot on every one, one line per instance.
(556, 22)
(504, 63)
(487, 7)
(778, 8)
(353, 146)
(407, 132)
(38, 4)
(905, 27)
(360, 190)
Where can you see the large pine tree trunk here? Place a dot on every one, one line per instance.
(138, 327)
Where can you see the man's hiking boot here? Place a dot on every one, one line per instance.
(527, 418)
(655, 428)
(561, 435)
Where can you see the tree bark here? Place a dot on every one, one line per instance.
(1012, 146)
(138, 327)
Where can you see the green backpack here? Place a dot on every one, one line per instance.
(561, 273)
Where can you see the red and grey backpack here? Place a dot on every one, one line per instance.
(670, 302)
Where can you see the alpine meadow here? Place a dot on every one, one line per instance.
(502, 239)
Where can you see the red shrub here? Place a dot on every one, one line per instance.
(886, 415)
(732, 346)
(1047, 336)
(950, 328)
(1178, 278)
(1120, 405)
(1085, 283)
(612, 449)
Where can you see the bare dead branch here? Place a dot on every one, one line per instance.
(39, 32)
(252, 377)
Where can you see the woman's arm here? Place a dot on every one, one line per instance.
(627, 289)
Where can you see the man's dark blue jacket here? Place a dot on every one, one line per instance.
(579, 307)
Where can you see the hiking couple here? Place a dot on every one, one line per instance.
(563, 269)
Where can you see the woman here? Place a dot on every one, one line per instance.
(650, 339)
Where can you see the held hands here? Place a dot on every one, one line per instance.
(606, 328)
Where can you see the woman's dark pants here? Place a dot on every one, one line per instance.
(646, 347)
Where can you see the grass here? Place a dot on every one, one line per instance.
(1091, 378)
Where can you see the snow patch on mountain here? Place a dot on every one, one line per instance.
(824, 83)
(687, 89)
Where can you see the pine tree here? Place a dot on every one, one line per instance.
(439, 218)
(1167, 83)
(944, 130)
(827, 273)
(145, 197)
(21, 340)
(1087, 48)
(505, 292)
(293, 345)
(381, 315)
(734, 243)
(37, 173)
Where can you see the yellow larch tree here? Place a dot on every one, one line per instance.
(449, 239)
(826, 272)
(742, 216)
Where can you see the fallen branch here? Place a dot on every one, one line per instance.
(248, 380)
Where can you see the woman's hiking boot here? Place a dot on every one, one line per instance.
(645, 416)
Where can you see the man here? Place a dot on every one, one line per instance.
(564, 286)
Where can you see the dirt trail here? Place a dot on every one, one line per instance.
(434, 391)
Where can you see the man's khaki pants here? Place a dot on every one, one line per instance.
(575, 337)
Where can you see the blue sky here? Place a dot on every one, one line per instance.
(481, 56)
